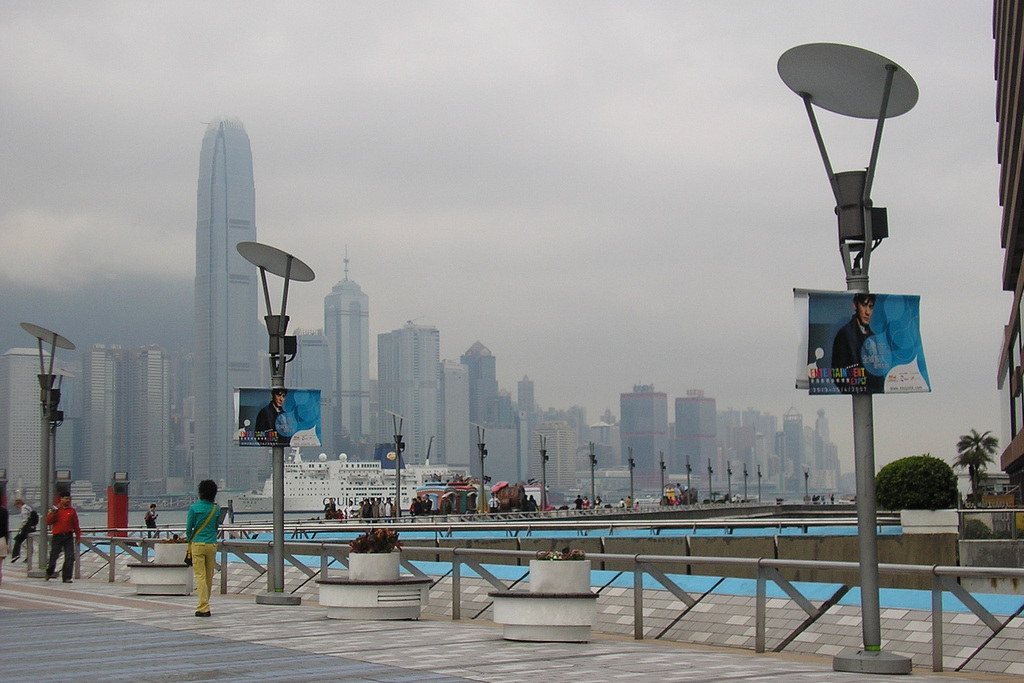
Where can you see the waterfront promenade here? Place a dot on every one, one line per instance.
(95, 630)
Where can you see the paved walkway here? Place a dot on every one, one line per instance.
(94, 630)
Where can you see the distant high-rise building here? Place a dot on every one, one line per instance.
(644, 428)
(149, 420)
(227, 311)
(483, 384)
(454, 446)
(561, 445)
(347, 326)
(696, 432)
(104, 414)
(792, 453)
(19, 421)
(311, 370)
(409, 385)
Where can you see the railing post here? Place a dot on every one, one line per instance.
(936, 621)
(456, 587)
(223, 569)
(270, 564)
(112, 569)
(638, 599)
(323, 561)
(760, 608)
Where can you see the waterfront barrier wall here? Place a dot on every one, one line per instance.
(943, 628)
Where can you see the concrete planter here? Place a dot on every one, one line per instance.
(559, 576)
(930, 521)
(162, 579)
(169, 553)
(374, 566)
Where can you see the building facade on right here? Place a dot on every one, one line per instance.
(644, 428)
(1008, 21)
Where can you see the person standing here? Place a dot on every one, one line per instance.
(26, 527)
(151, 516)
(201, 531)
(5, 534)
(63, 520)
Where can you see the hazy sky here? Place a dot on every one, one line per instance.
(602, 193)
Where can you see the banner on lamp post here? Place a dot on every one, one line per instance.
(277, 417)
(860, 343)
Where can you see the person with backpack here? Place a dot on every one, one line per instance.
(28, 525)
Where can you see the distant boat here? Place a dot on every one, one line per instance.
(310, 484)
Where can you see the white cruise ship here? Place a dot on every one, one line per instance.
(309, 484)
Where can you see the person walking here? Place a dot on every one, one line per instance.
(201, 531)
(26, 527)
(63, 520)
(151, 516)
(5, 534)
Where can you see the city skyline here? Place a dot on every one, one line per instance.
(604, 194)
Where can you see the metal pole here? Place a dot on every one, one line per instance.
(481, 505)
(689, 491)
(543, 473)
(632, 466)
(661, 467)
(45, 468)
(758, 483)
(728, 479)
(711, 494)
(593, 463)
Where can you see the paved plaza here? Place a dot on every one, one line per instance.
(94, 630)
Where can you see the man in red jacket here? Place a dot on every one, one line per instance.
(66, 534)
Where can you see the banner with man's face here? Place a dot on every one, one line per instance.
(859, 343)
(278, 417)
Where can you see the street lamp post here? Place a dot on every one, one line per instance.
(633, 465)
(854, 82)
(396, 424)
(711, 492)
(481, 505)
(50, 418)
(759, 483)
(728, 479)
(744, 482)
(543, 473)
(689, 491)
(593, 464)
(281, 351)
(807, 478)
(661, 469)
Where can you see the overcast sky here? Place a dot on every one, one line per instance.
(602, 193)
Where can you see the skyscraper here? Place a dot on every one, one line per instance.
(560, 443)
(408, 377)
(454, 444)
(644, 428)
(19, 421)
(483, 384)
(696, 432)
(347, 326)
(104, 414)
(149, 420)
(227, 313)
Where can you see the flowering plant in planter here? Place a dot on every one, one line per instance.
(375, 541)
(564, 554)
(174, 538)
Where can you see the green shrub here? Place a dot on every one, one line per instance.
(919, 482)
(975, 529)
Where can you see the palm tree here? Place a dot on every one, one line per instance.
(974, 453)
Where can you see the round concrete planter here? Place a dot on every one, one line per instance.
(374, 566)
(559, 576)
(169, 553)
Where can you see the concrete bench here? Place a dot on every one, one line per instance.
(545, 617)
(401, 598)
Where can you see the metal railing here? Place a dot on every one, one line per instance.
(768, 570)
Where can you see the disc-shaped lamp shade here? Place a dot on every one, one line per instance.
(47, 336)
(275, 261)
(846, 80)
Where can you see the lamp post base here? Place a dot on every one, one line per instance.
(278, 599)
(876, 662)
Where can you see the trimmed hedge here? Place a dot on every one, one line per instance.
(919, 482)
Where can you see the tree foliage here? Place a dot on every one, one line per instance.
(919, 482)
(975, 452)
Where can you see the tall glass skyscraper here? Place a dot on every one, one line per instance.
(347, 327)
(408, 366)
(227, 313)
